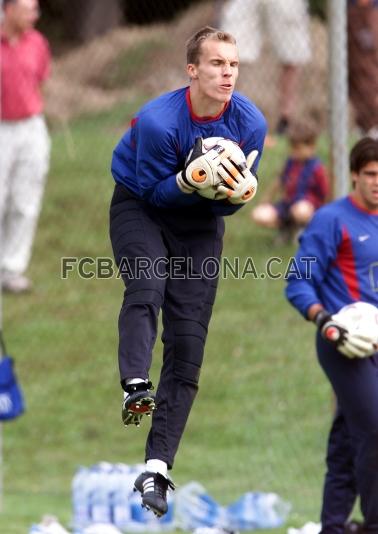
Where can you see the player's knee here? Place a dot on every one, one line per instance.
(187, 372)
(189, 349)
(371, 449)
(145, 292)
(265, 215)
(301, 212)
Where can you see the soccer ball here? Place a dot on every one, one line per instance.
(237, 155)
(360, 318)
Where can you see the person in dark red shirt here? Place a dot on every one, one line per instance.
(24, 140)
(363, 63)
(301, 188)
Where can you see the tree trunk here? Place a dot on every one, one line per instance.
(84, 19)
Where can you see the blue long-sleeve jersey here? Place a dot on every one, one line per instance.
(155, 147)
(337, 260)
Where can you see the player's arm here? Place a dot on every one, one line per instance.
(322, 181)
(158, 164)
(254, 139)
(333, 330)
(318, 248)
(320, 242)
(44, 66)
(242, 179)
(318, 189)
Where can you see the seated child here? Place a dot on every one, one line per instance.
(301, 188)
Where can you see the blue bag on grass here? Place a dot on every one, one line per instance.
(11, 398)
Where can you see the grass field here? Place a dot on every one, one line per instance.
(261, 417)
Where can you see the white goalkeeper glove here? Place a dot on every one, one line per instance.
(201, 168)
(350, 344)
(241, 182)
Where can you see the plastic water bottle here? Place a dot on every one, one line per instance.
(273, 510)
(213, 530)
(123, 488)
(139, 515)
(98, 498)
(80, 501)
(257, 510)
(195, 508)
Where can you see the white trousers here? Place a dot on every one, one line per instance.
(24, 162)
(285, 21)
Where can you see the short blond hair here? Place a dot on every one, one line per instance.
(194, 44)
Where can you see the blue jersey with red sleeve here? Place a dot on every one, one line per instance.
(337, 260)
(155, 147)
(304, 179)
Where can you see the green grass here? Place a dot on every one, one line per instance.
(262, 413)
(125, 70)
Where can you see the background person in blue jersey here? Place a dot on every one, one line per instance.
(343, 238)
(158, 215)
(301, 188)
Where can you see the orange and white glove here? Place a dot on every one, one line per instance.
(241, 182)
(351, 345)
(201, 167)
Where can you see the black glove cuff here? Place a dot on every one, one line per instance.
(321, 318)
(184, 179)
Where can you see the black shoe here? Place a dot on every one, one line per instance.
(153, 488)
(138, 401)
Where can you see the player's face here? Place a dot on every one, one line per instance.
(366, 186)
(217, 70)
(24, 14)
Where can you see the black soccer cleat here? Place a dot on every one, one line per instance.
(153, 488)
(138, 401)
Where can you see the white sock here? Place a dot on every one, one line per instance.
(157, 466)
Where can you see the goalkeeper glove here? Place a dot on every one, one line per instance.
(241, 182)
(350, 344)
(201, 169)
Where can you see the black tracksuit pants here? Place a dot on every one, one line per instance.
(352, 456)
(163, 256)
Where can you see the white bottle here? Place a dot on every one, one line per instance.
(98, 499)
(121, 499)
(80, 501)
(271, 510)
(257, 510)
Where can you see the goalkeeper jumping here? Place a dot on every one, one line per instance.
(342, 238)
(162, 167)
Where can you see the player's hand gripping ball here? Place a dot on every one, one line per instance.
(353, 330)
(201, 166)
(234, 179)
